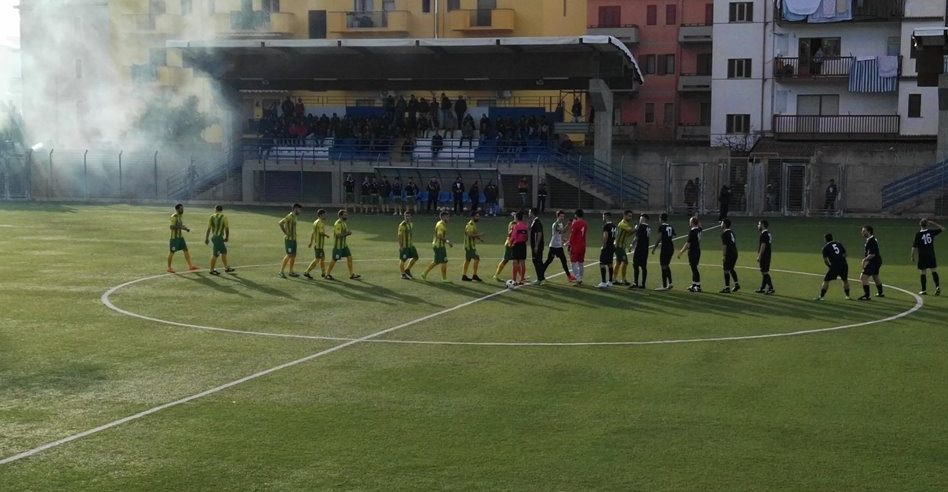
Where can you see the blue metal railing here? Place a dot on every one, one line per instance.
(626, 188)
(915, 185)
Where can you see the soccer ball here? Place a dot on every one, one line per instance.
(510, 284)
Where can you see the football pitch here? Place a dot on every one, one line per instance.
(141, 380)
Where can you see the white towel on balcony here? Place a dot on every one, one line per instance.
(832, 11)
(802, 7)
(888, 66)
(829, 8)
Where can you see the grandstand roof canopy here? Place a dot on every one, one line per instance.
(415, 64)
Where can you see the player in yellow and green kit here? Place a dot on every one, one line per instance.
(438, 244)
(407, 253)
(288, 226)
(624, 232)
(177, 239)
(340, 250)
(318, 237)
(508, 255)
(471, 237)
(218, 233)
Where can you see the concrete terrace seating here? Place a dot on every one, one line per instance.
(453, 150)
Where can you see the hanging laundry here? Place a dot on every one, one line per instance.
(864, 77)
(832, 11)
(790, 16)
(888, 66)
(801, 7)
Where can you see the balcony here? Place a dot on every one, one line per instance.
(391, 23)
(694, 33)
(153, 24)
(858, 127)
(694, 132)
(628, 34)
(694, 83)
(254, 24)
(863, 11)
(786, 68)
(481, 20)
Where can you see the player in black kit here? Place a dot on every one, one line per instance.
(871, 263)
(729, 257)
(666, 239)
(924, 249)
(763, 258)
(834, 255)
(640, 252)
(693, 247)
(608, 251)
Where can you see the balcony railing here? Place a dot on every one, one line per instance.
(833, 127)
(807, 68)
(256, 23)
(863, 11)
(694, 33)
(362, 22)
(689, 82)
(481, 20)
(627, 33)
(693, 132)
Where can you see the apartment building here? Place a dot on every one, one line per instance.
(673, 43)
(844, 71)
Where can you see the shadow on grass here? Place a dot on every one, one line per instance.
(250, 284)
(209, 282)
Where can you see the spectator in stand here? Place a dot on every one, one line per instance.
(412, 113)
(467, 131)
(424, 124)
(374, 201)
(300, 108)
(437, 143)
(288, 108)
(460, 107)
(435, 114)
(408, 148)
(490, 198)
(457, 191)
(411, 196)
(474, 194)
(484, 126)
(577, 109)
(559, 112)
(450, 124)
(334, 124)
(389, 105)
(541, 195)
(523, 189)
(445, 108)
(401, 107)
(433, 188)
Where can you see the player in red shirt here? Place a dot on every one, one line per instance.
(577, 245)
(518, 248)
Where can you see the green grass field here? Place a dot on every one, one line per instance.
(480, 397)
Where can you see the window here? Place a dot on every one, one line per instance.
(651, 15)
(703, 64)
(666, 64)
(893, 46)
(388, 5)
(270, 5)
(609, 16)
(365, 5)
(669, 115)
(704, 114)
(739, 68)
(915, 106)
(650, 64)
(185, 7)
(738, 123)
(78, 68)
(454, 5)
(671, 15)
(426, 6)
(818, 105)
(741, 12)
(650, 112)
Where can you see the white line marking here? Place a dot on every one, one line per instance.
(217, 389)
